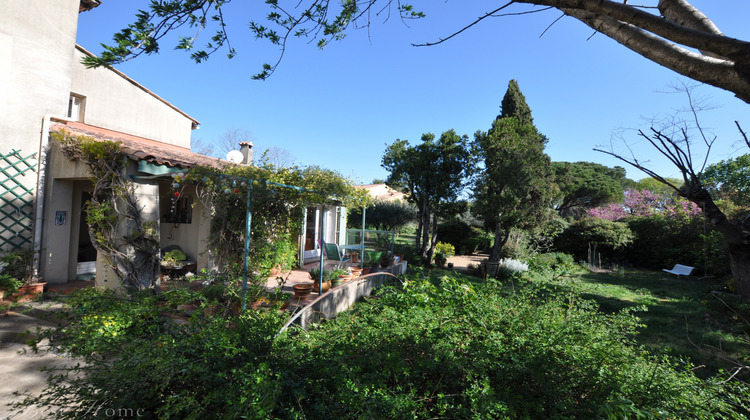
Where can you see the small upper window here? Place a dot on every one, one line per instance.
(76, 107)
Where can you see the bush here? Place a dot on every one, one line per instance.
(464, 238)
(517, 246)
(661, 242)
(9, 284)
(606, 237)
(511, 269)
(525, 356)
(553, 264)
(424, 350)
(18, 264)
(445, 249)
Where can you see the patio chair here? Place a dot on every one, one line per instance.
(333, 253)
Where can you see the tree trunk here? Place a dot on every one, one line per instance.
(423, 251)
(739, 257)
(737, 235)
(501, 237)
(433, 238)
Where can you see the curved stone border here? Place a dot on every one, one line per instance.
(340, 298)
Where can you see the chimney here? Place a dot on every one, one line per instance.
(246, 148)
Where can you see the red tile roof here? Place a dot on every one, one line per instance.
(141, 148)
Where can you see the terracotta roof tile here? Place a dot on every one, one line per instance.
(141, 148)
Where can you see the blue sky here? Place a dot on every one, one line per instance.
(340, 106)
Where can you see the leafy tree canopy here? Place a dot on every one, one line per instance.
(384, 215)
(657, 187)
(585, 185)
(433, 174)
(730, 180)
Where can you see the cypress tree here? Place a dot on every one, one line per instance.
(514, 105)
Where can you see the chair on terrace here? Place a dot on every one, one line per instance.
(333, 253)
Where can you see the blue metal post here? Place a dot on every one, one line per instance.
(248, 220)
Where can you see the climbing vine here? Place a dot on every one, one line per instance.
(279, 199)
(126, 241)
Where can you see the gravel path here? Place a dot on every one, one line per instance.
(20, 370)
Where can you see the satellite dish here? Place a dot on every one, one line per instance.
(235, 156)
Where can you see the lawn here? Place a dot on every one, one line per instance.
(686, 317)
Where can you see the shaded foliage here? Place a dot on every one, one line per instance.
(384, 215)
(597, 235)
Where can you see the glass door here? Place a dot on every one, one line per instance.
(312, 243)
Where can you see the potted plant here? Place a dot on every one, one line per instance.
(442, 252)
(19, 266)
(302, 290)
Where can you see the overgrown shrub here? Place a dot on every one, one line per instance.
(660, 242)
(18, 264)
(460, 351)
(465, 239)
(600, 235)
(518, 245)
(424, 350)
(553, 264)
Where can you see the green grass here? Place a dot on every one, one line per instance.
(682, 317)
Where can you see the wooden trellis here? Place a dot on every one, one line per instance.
(16, 200)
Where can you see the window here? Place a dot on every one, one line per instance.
(76, 105)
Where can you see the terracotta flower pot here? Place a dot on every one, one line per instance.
(302, 290)
(326, 286)
(356, 272)
(28, 292)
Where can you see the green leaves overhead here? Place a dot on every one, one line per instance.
(321, 20)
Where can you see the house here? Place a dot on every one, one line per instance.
(44, 88)
(382, 192)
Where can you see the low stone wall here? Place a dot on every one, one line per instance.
(341, 298)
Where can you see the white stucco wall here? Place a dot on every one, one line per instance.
(37, 38)
(117, 103)
(56, 245)
(36, 47)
